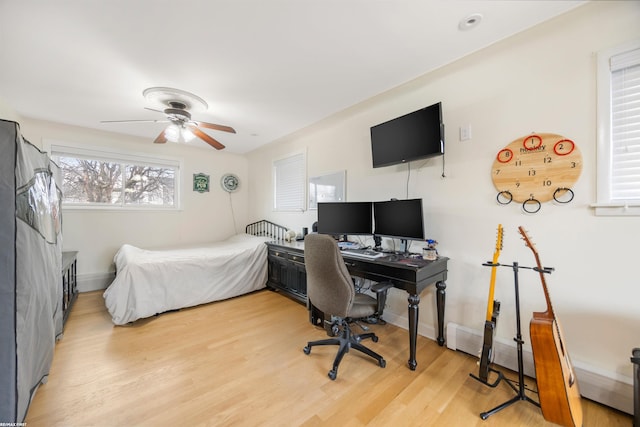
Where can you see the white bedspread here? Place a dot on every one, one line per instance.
(154, 281)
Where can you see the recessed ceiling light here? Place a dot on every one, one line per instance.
(470, 22)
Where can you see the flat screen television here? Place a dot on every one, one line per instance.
(414, 136)
(400, 219)
(344, 218)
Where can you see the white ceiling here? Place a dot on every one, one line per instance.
(265, 67)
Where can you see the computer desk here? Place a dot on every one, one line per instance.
(409, 274)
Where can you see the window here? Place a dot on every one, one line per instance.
(619, 131)
(289, 178)
(101, 179)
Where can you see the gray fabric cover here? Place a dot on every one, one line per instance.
(329, 285)
(30, 269)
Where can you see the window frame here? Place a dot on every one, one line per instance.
(605, 205)
(133, 158)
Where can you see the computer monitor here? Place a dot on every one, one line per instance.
(344, 218)
(400, 219)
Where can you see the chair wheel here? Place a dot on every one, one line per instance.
(306, 349)
(374, 338)
(332, 374)
(382, 363)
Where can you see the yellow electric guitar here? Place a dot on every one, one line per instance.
(493, 310)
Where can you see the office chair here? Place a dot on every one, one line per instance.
(330, 290)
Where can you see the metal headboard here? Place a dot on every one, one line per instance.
(266, 228)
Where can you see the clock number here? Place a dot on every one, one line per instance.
(573, 164)
(546, 183)
(532, 172)
(505, 155)
(564, 147)
(547, 159)
(517, 183)
(518, 163)
(497, 171)
(532, 142)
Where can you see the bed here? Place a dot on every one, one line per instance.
(149, 282)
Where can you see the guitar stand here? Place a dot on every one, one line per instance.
(520, 390)
(487, 383)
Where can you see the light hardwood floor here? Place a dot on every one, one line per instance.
(240, 363)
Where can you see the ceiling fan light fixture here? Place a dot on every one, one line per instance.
(172, 133)
(177, 106)
(177, 133)
(186, 134)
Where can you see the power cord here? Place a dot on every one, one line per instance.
(233, 215)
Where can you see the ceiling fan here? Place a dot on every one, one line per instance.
(177, 106)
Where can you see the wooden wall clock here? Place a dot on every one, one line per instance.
(535, 169)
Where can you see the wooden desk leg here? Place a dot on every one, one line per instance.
(440, 297)
(414, 301)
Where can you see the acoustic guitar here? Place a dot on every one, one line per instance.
(493, 311)
(557, 384)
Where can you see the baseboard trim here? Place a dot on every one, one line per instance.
(611, 389)
(94, 282)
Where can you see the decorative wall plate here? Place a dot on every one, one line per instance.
(229, 182)
(200, 182)
(537, 168)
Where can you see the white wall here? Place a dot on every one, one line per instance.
(542, 80)
(7, 113)
(97, 234)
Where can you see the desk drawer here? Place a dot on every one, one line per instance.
(379, 272)
(297, 258)
(275, 253)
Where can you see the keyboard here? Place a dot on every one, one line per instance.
(363, 253)
(349, 245)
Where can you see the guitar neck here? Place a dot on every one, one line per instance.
(544, 286)
(540, 269)
(492, 287)
(494, 265)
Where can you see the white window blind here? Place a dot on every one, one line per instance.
(289, 176)
(625, 126)
(618, 160)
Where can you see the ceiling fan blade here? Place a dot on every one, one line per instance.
(153, 109)
(216, 127)
(162, 138)
(206, 138)
(134, 121)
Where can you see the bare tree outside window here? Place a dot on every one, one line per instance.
(90, 181)
(116, 183)
(149, 185)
